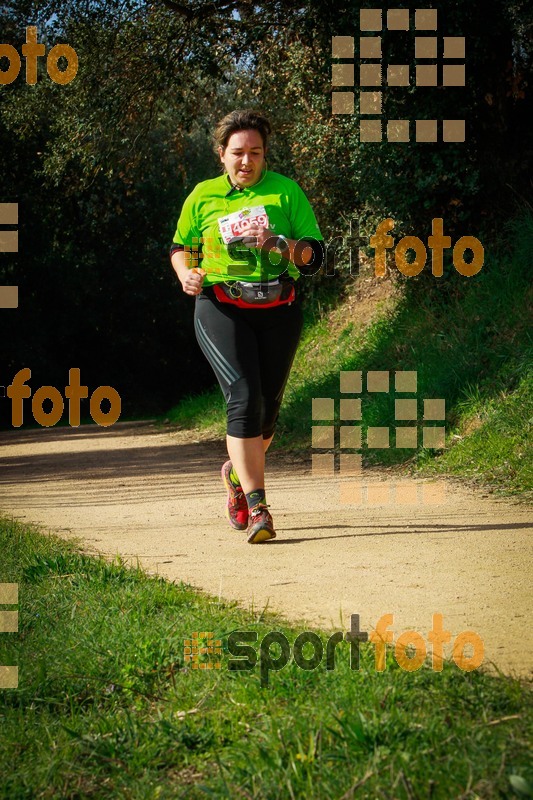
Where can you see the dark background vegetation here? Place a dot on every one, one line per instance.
(100, 167)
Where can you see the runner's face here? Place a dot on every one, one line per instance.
(244, 157)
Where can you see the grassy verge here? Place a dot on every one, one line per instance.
(107, 708)
(492, 445)
(469, 342)
(204, 412)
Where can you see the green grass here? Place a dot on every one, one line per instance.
(495, 445)
(204, 412)
(469, 340)
(107, 708)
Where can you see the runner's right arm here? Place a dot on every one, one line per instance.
(191, 279)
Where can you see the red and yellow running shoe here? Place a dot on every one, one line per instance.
(237, 507)
(260, 525)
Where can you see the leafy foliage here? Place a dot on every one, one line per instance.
(101, 166)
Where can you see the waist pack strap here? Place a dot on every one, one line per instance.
(226, 294)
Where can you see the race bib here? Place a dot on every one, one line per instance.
(237, 223)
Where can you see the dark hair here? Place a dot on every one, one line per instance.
(243, 120)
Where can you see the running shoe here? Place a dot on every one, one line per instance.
(260, 525)
(237, 507)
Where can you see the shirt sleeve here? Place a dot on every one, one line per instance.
(302, 216)
(187, 228)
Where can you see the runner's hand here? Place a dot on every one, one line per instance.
(192, 283)
(256, 236)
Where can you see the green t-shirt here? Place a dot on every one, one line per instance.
(202, 223)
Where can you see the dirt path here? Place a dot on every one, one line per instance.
(142, 492)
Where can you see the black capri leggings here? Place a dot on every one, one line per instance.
(251, 352)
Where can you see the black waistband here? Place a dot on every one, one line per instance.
(281, 279)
